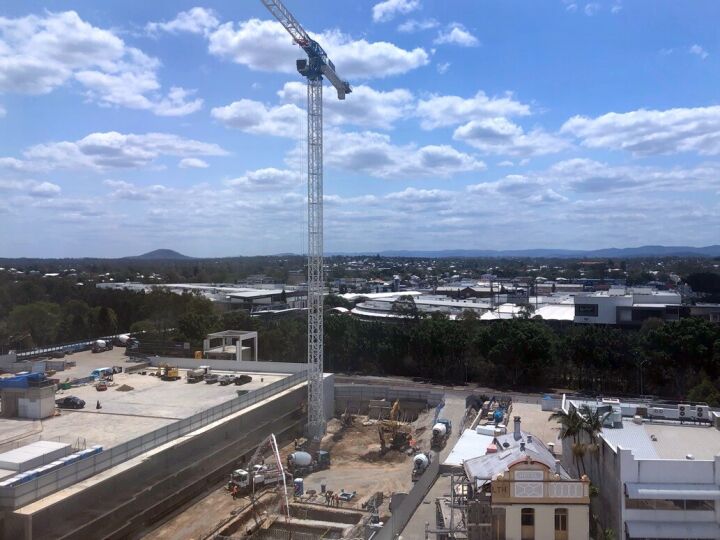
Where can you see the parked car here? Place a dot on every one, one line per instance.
(70, 402)
(224, 380)
(242, 379)
(101, 386)
(211, 378)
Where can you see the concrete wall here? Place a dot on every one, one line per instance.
(603, 469)
(128, 500)
(232, 365)
(404, 511)
(356, 397)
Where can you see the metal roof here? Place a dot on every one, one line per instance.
(631, 437)
(673, 491)
(485, 466)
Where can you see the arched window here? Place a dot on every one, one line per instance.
(527, 524)
(561, 524)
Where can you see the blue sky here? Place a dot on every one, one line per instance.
(126, 127)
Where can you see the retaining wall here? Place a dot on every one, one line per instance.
(128, 500)
(356, 397)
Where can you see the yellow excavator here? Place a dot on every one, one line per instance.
(394, 435)
(168, 373)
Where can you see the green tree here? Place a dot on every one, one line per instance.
(705, 391)
(40, 319)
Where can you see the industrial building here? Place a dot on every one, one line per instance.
(618, 306)
(252, 297)
(657, 469)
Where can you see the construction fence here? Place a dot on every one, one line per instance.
(41, 486)
(402, 514)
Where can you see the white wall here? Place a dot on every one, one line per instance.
(607, 308)
(231, 365)
(578, 521)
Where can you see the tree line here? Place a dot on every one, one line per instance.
(669, 359)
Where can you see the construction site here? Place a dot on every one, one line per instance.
(225, 456)
(220, 445)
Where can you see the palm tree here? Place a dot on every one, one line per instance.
(571, 426)
(592, 425)
(593, 421)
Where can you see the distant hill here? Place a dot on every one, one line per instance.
(642, 251)
(161, 255)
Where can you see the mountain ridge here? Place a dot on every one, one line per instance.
(632, 252)
(161, 255)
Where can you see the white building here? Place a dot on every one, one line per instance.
(657, 470)
(626, 306)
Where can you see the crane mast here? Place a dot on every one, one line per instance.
(313, 68)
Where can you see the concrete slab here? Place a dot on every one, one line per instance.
(151, 404)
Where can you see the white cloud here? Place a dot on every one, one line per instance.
(266, 46)
(443, 67)
(366, 107)
(585, 175)
(193, 163)
(413, 195)
(109, 150)
(697, 50)
(617, 8)
(648, 132)
(197, 20)
(591, 8)
(374, 154)
(386, 10)
(45, 190)
(268, 179)
(502, 137)
(439, 111)
(32, 188)
(41, 53)
(254, 117)
(580, 176)
(414, 25)
(456, 34)
(133, 192)
(3, 112)
(572, 8)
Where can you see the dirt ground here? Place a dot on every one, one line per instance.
(357, 465)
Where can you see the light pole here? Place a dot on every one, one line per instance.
(640, 371)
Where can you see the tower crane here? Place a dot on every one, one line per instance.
(313, 68)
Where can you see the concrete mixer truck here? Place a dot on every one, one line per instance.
(420, 464)
(302, 463)
(441, 433)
